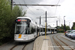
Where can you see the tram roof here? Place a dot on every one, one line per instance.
(25, 17)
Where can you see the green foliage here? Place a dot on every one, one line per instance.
(61, 28)
(73, 27)
(7, 18)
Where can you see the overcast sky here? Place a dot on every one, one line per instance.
(66, 9)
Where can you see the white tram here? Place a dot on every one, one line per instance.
(25, 29)
(49, 30)
(41, 30)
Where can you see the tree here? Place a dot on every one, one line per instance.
(73, 27)
(7, 18)
(61, 28)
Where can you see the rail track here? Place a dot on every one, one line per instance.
(67, 39)
(17, 45)
(65, 43)
(58, 43)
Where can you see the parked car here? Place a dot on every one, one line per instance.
(73, 34)
(67, 32)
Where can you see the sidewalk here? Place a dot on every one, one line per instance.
(43, 44)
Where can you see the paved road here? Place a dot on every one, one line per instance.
(61, 42)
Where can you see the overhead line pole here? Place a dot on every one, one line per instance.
(56, 22)
(45, 23)
(64, 26)
(40, 20)
(57, 25)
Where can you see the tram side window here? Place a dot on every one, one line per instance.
(28, 30)
(32, 29)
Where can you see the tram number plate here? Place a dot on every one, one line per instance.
(19, 36)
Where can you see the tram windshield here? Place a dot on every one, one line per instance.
(20, 28)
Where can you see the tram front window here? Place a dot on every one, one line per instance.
(21, 28)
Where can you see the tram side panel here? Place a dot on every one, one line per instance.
(53, 31)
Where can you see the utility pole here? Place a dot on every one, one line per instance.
(45, 23)
(64, 26)
(69, 24)
(40, 20)
(57, 23)
(11, 4)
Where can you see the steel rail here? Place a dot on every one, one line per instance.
(13, 47)
(17, 45)
(67, 39)
(58, 44)
(24, 46)
(65, 43)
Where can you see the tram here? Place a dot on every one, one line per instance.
(25, 29)
(49, 30)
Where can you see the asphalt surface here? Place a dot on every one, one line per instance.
(65, 42)
(59, 42)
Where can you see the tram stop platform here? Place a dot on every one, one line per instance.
(43, 43)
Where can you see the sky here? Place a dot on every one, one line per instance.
(66, 9)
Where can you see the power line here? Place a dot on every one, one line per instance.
(19, 3)
(56, 10)
(28, 7)
(56, 6)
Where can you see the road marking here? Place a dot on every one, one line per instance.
(45, 45)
